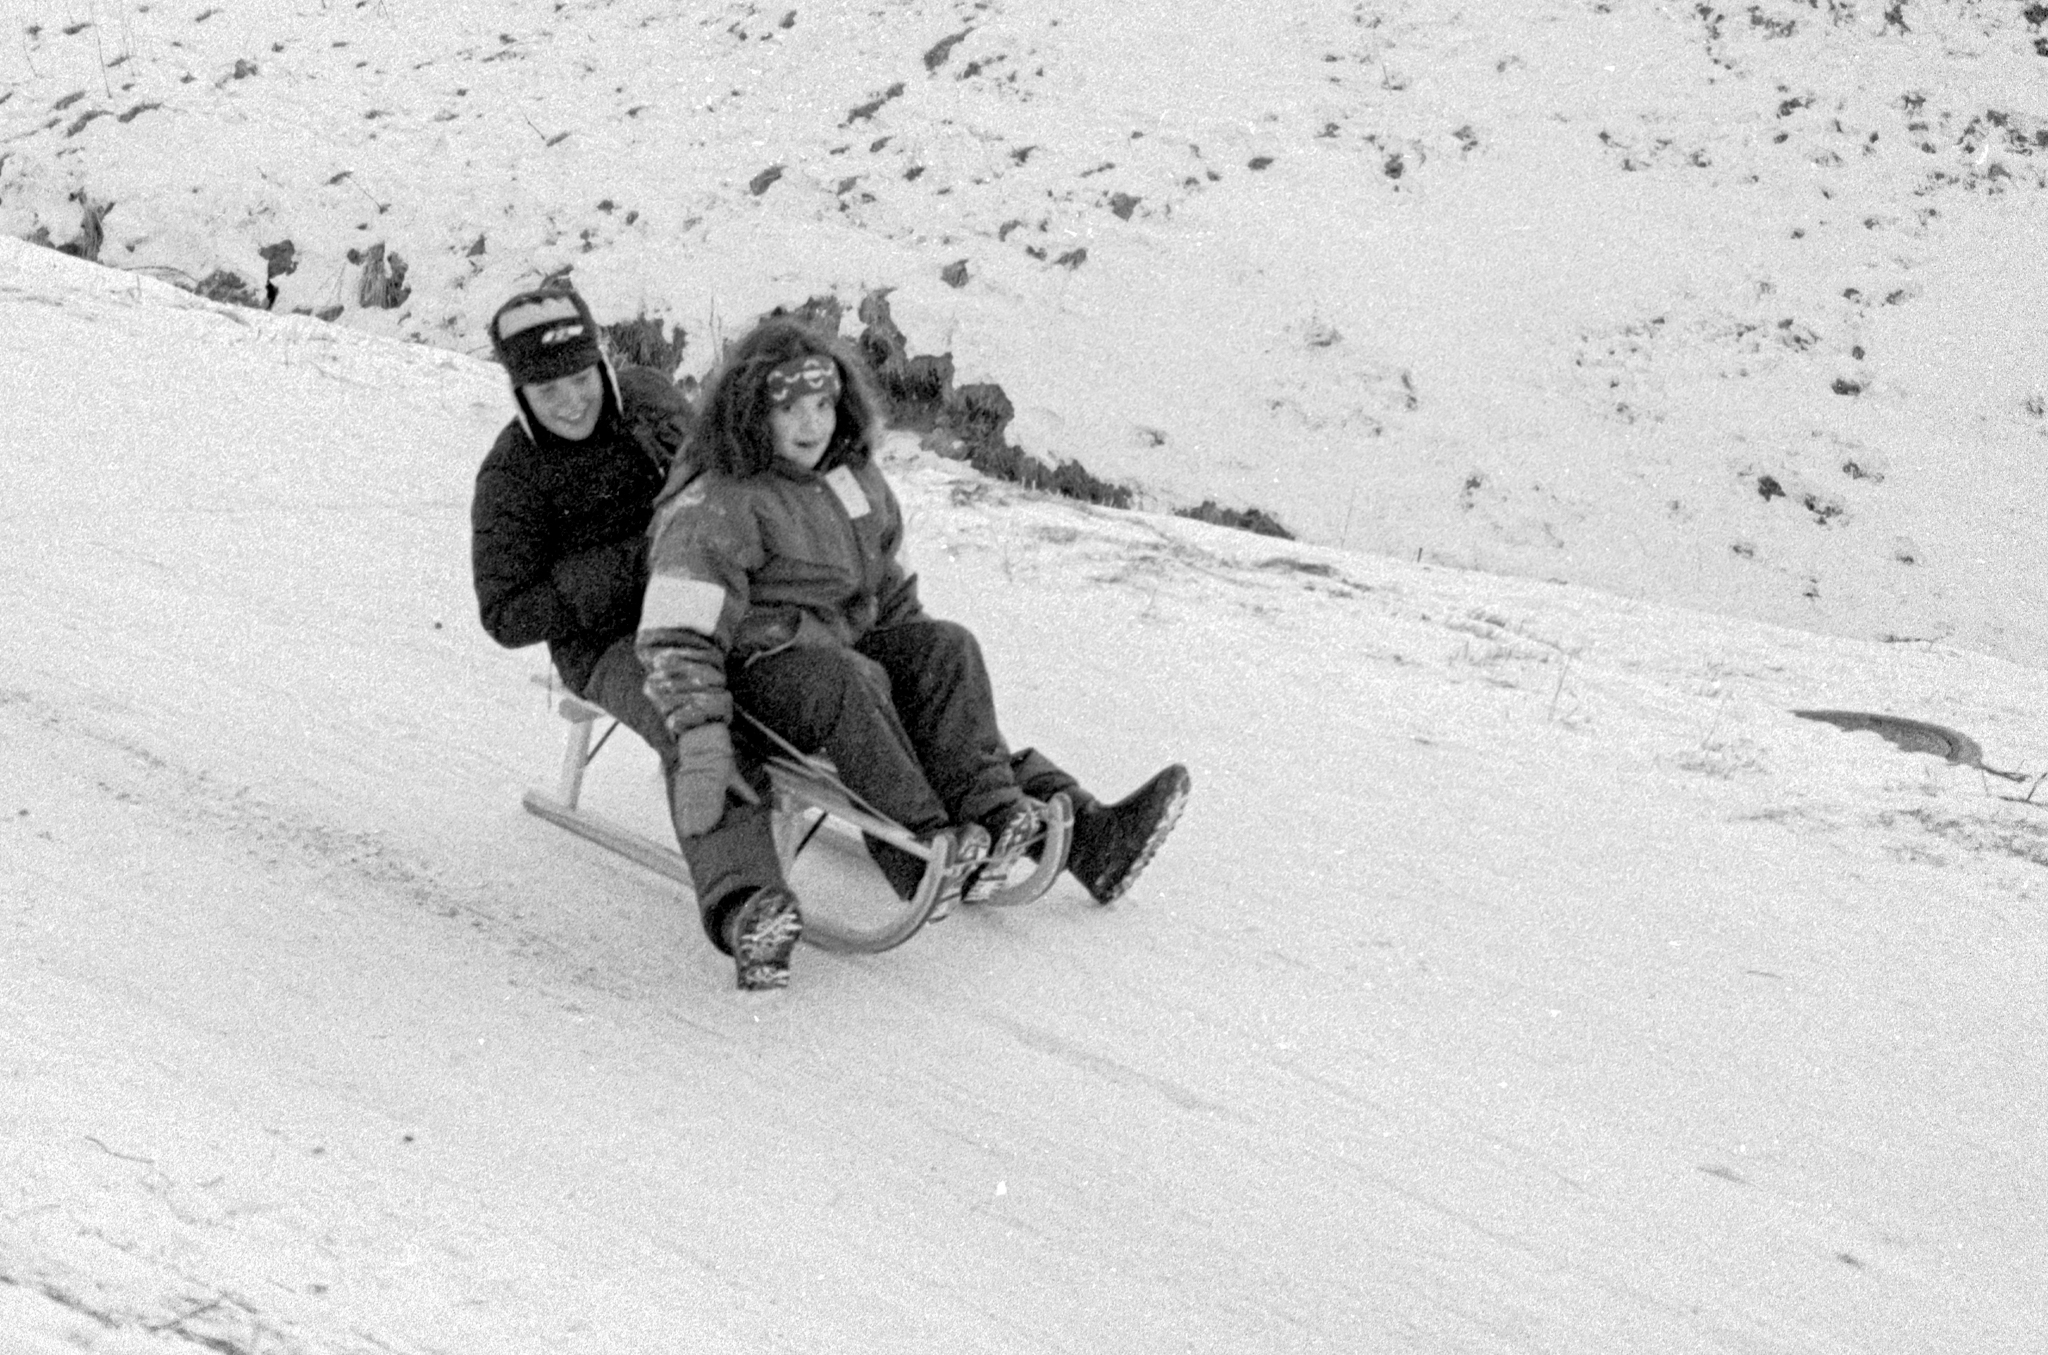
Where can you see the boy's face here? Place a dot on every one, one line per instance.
(802, 429)
(569, 405)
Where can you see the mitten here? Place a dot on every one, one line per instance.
(696, 785)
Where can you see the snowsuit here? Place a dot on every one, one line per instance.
(782, 594)
(559, 554)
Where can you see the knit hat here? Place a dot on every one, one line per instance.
(544, 334)
(812, 374)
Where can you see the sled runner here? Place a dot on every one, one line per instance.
(809, 797)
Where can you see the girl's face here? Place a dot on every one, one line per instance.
(802, 429)
(569, 405)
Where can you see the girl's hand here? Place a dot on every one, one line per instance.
(697, 785)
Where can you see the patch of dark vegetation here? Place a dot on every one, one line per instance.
(971, 421)
(866, 112)
(641, 342)
(92, 234)
(281, 260)
(383, 281)
(1823, 511)
(820, 312)
(229, 287)
(1254, 520)
(936, 55)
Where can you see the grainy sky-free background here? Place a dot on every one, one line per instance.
(1524, 977)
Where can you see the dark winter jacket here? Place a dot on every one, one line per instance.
(559, 529)
(742, 567)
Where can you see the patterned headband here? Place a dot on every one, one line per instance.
(803, 376)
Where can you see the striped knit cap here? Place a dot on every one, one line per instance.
(545, 334)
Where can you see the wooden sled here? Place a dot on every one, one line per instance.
(808, 797)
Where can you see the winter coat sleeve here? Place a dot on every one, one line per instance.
(509, 557)
(705, 548)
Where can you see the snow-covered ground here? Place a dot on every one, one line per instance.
(1733, 305)
(1522, 978)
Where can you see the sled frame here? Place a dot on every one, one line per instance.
(808, 796)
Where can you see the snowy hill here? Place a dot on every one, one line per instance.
(1732, 306)
(1523, 977)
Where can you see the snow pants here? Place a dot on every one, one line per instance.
(907, 716)
(736, 857)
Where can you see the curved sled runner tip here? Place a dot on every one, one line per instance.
(1058, 817)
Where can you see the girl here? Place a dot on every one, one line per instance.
(776, 589)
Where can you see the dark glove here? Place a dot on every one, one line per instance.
(703, 772)
(604, 584)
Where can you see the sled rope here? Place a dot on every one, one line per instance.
(814, 764)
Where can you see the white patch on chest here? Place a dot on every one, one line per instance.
(851, 496)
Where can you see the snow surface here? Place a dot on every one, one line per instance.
(1732, 305)
(1522, 977)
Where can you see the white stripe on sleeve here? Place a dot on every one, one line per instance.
(677, 603)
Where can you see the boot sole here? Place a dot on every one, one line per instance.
(1168, 817)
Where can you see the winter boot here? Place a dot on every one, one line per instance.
(1016, 830)
(965, 853)
(1113, 843)
(762, 932)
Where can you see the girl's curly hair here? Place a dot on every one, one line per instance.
(731, 433)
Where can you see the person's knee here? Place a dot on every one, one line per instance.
(803, 695)
(853, 679)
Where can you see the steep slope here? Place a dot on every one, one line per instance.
(1523, 976)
